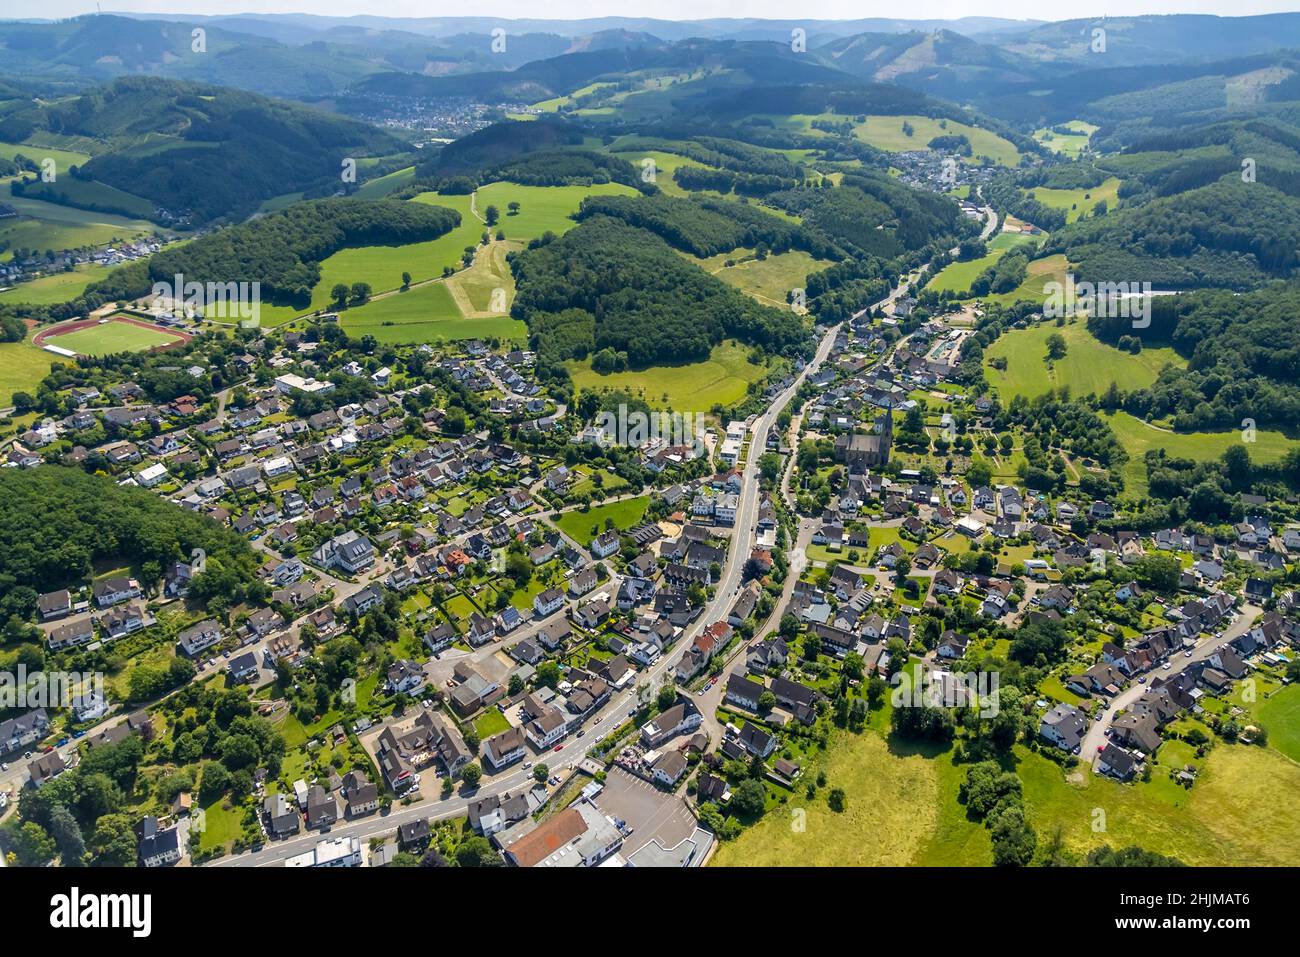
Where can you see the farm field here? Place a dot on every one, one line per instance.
(93, 192)
(63, 158)
(1137, 437)
(55, 287)
(487, 288)
(110, 337)
(1089, 366)
(692, 387)
(1039, 273)
(768, 280)
(625, 514)
(1070, 145)
(541, 208)
(22, 367)
(381, 186)
(886, 133)
(665, 165)
(1077, 202)
(42, 225)
(957, 276)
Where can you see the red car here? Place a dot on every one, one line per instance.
(558, 747)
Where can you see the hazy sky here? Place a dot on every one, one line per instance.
(662, 9)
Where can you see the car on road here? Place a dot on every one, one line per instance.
(582, 732)
(558, 747)
(527, 765)
(4, 767)
(1142, 680)
(1166, 666)
(1187, 654)
(1101, 748)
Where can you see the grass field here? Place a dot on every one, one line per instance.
(425, 314)
(957, 276)
(886, 133)
(111, 337)
(767, 280)
(55, 287)
(1069, 145)
(1137, 437)
(541, 208)
(22, 367)
(381, 186)
(691, 387)
(665, 165)
(93, 192)
(1241, 811)
(1039, 273)
(1089, 366)
(1077, 202)
(578, 525)
(1279, 715)
(63, 159)
(42, 225)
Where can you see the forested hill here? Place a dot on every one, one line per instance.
(1231, 234)
(212, 152)
(607, 284)
(56, 523)
(282, 251)
(1243, 355)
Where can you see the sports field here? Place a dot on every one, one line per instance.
(102, 339)
(1078, 202)
(692, 387)
(957, 276)
(1089, 366)
(1138, 437)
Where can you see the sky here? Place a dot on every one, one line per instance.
(661, 9)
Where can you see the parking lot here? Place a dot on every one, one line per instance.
(650, 812)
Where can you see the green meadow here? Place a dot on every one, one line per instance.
(1078, 202)
(957, 276)
(723, 379)
(1089, 366)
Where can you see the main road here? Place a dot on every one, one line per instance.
(573, 749)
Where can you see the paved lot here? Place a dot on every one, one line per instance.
(650, 812)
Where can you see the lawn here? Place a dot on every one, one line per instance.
(1077, 202)
(722, 379)
(1089, 366)
(1137, 437)
(767, 280)
(490, 722)
(22, 367)
(578, 524)
(110, 338)
(957, 276)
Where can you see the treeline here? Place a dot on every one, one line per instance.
(57, 524)
(1243, 355)
(724, 181)
(607, 284)
(722, 153)
(283, 251)
(707, 227)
